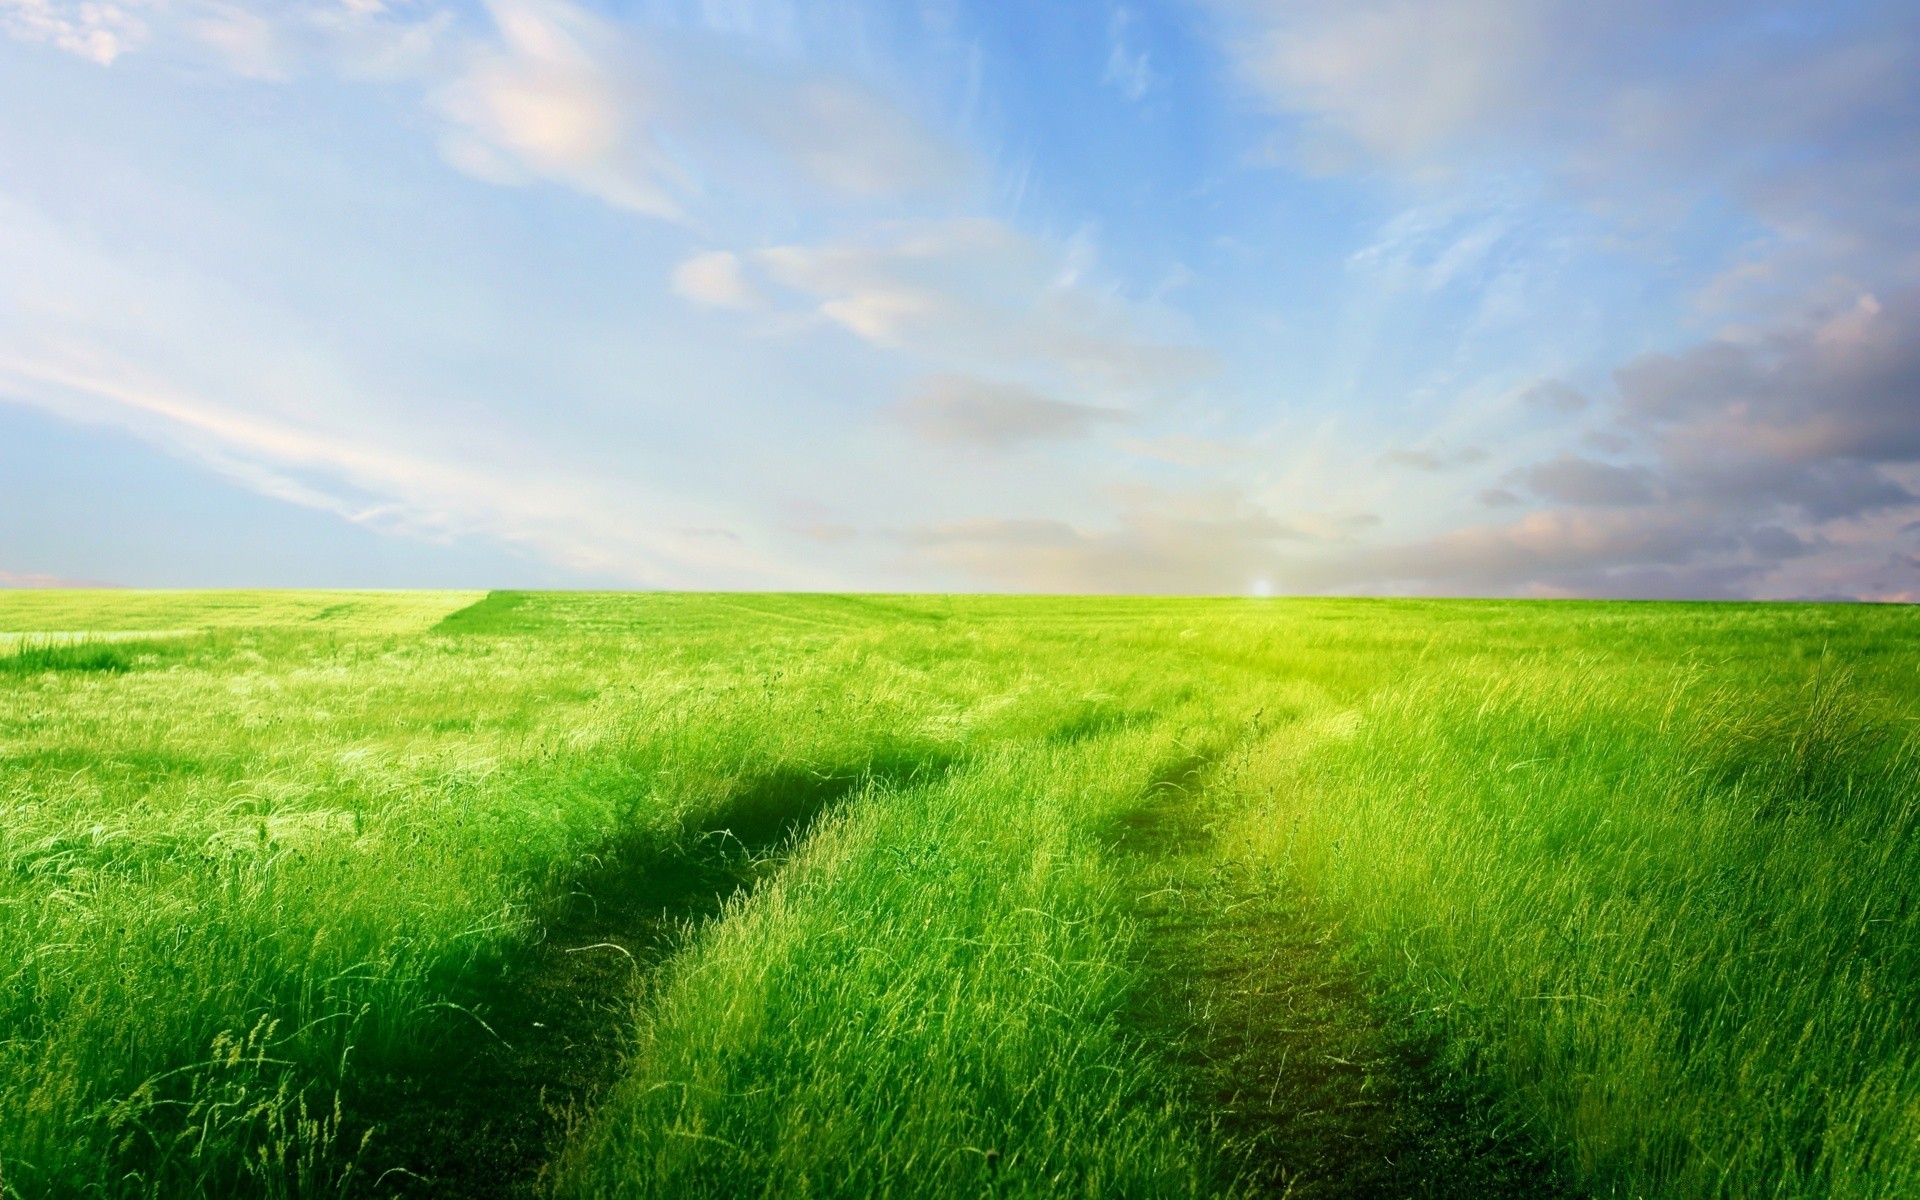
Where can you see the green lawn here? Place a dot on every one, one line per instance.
(444, 894)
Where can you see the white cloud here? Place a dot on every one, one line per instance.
(1128, 69)
(353, 419)
(647, 119)
(271, 40)
(1807, 125)
(248, 40)
(219, 376)
(717, 279)
(657, 122)
(600, 525)
(976, 295)
(92, 29)
(1398, 76)
(563, 95)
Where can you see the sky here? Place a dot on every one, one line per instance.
(1252, 297)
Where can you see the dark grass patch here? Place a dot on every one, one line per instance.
(37, 658)
(493, 613)
(41, 656)
(1314, 1091)
(538, 1038)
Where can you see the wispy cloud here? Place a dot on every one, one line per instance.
(1805, 122)
(976, 293)
(718, 280)
(267, 42)
(599, 525)
(654, 121)
(101, 32)
(1749, 462)
(1129, 68)
(649, 120)
(562, 95)
(961, 410)
(646, 120)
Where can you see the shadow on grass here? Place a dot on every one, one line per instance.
(1312, 1089)
(485, 1110)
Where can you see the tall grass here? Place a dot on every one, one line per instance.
(1666, 902)
(926, 1004)
(38, 654)
(1648, 870)
(234, 883)
(33, 658)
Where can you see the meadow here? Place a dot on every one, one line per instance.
(625, 895)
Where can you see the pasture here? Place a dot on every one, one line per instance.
(631, 895)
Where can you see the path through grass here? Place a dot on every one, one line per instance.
(1315, 1090)
(1098, 897)
(484, 1112)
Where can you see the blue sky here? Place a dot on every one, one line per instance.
(1490, 297)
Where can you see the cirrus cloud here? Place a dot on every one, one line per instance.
(977, 293)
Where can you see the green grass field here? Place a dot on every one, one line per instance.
(451, 894)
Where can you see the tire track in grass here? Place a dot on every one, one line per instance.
(925, 1006)
(482, 1112)
(1313, 1090)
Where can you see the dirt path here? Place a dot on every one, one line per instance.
(481, 1114)
(1313, 1090)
